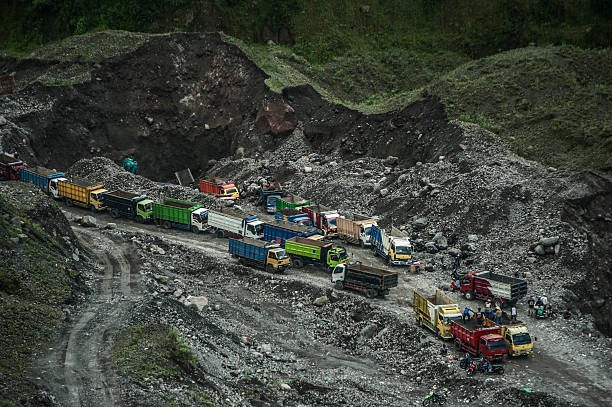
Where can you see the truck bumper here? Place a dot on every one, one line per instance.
(523, 352)
(401, 262)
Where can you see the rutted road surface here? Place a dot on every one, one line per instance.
(78, 370)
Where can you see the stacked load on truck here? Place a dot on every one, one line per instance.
(479, 340)
(516, 334)
(78, 192)
(356, 230)
(39, 176)
(487, 285)
(220, 188)
(307, 251)
(393, 247)
(279, 231)
(436, 312)
(291, 202)
(372, 281)
(323, 218)
(293, 215)
(232, 222)
(180, 214)
(10, 167)
(129, 205)
(265, 255)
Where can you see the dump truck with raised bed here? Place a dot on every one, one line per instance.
(323, 218)
(479, 340)
(517, 337)
(219, 188)
(129, 205)
(269, 195)
(307, 251)
(356, 230)
(279, 231)
(372, 281)
(257, 253)
(291, 202)
(394, 247)
(232, 222)
(39, 176)
(10, 167)
(436, 312)
(80, 192)
(499, 288)
(293, 216)
(176, 213)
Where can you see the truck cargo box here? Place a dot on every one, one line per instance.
(39, 176)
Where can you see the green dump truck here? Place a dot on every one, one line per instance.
(180, 214)
(307, 251)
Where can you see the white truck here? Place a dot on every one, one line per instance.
(357, 230)
(231, 222)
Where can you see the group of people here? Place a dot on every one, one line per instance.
(494, 314)
(540, 308)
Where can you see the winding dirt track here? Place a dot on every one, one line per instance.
(79, 370)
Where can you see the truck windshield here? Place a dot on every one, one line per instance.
(521, 339)
(230, 191)
(447, 320)
(496, 345)
(272, 200)
(148, 207)
(332, 223)
(366, 231)
(403, 250)
(259, 229)
(281, 255)
(343, 254)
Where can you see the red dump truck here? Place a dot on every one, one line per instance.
(219, 187)
(497, 287)
(479, 340)
(9, 167)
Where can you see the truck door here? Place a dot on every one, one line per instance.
(272, 260)
(338, 273)
(53, 190)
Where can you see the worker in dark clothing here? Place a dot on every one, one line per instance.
(531, 304)
(479, 317)
(466, 314)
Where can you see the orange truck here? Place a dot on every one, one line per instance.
(219, 188)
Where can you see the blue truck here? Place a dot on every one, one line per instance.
(293, 216)
(39, 176)
(393, 247)
(269, 195)
(257, 253)
(279, 231)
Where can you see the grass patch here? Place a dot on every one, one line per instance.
(152, 351)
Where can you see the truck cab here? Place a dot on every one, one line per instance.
(330, 224)
(96, 199)
(364, 234)
(518, 340)
(400, 252)
(278, 259)
(271, 202)
(144, 210)
(492, 347)
(254, 229)
(199, 220)
(230, 190)
(447, 314)
(337, 255)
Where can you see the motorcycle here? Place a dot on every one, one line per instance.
(464, 363)
(485, 367)
(434, 398)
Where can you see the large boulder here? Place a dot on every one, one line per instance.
(276, 117)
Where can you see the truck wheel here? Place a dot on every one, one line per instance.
(92, 208)
(195, 229)
(115, 213)
(339, 285)
(361, 244)
(270, 268)
(69, 202)
(220, 234)
(298, 263)
(166, 225)
(370, 293)
(469, 295)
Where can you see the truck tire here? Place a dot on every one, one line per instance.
(297, 263)
(339, 285)
(69, 202)
(115, 213)
(361, 244)
(270, 268)
(370, 293)
(167, 224)
(469, 295)
(220, 234)
(195, 229)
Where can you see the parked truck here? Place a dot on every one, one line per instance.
(436, 312)
(39, 176)
(517, 337)
(486, 285)
(291, 202)
(78, 192)
(269, 194)
(231, 222)
(393, 247)
(279, 231)
(323, 218)
(176, 213)
(372, 281)
(356, 230)
(9, 167)
(307, 251)
(219, 188)
(129, 205)
(479, 340)
(293, 215)
(257, 253)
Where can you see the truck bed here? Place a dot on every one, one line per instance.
(371, 270)
(42, 171)
(85, 183)
(310, 242)
(122, 194)
(505, 286)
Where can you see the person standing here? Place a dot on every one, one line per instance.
(488, 309)
(544, 300)
(499, 315)
(513, 313)
(531, 304)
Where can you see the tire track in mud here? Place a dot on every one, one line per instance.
(79, 369)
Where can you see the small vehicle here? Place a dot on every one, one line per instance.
(484, 366)
(434, 398)
(465, 362)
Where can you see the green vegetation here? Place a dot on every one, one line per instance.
(152, 351)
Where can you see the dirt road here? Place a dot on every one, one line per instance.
(78, 369)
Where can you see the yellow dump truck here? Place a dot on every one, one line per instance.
(436, 312)
(517, 337)
(78, 192)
